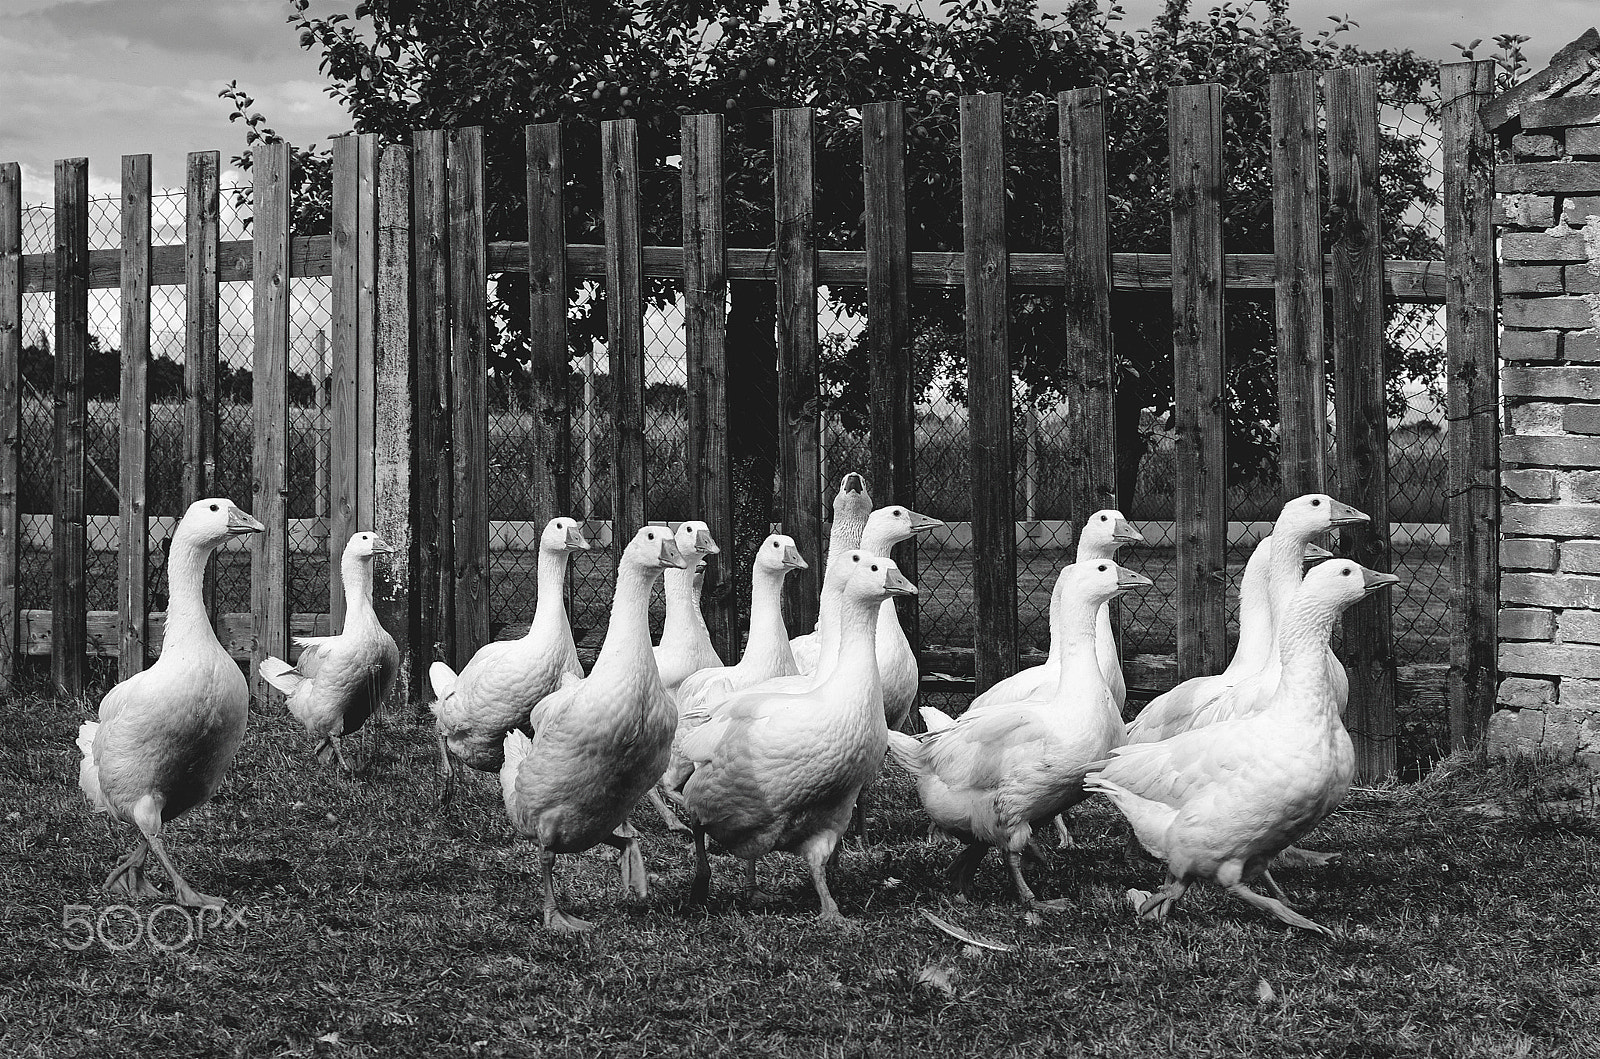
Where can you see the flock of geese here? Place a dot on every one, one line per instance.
(1218, 777)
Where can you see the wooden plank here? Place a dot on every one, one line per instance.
(69, 600)
(392, 409)
(345, 319)
(1363, 452)
(705, 325)
(469, 358)
(236, 631)
(1195, 124)
(1089, 436)
(1297, 301)
(550, 469)
(989, 386)
(10, 417)
(366, 325)
(134, 436)
(619, 162)
(434, 577)
(1472, 400)
(888, 334)
(799, 412)
(202, 230)
(269, 560)
(310, 256)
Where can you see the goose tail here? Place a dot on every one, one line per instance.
(906, 750)
(281, 675)
(517, 747)
(443, 679)
(88, 769)
(935, 719)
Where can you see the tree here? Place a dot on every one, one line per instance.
(402, 64)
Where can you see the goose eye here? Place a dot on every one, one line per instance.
(898, 512)
(1102, 568)
(1316, 503)
(1103, 518)
(651, 536)
(874, 568)
(774, 544)
(214, 507)
(855, 558)
(1345, 572)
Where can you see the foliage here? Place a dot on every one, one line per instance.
(102, 377)
(1508, 56)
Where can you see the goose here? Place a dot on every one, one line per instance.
(1102, 536)
(600, 742)
(340, 681)
(503, 681)
(165, 737)
(991, 776)
(1218, 803)
(782, 772)
(851, 507)
(1300, 520)
(685, 645)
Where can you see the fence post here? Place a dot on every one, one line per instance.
(269, 557)
(705, 304)
(201, 237)
(392, 412)
(469, 361)
(69, 612)
(1201, 526)
(989, 387)
(619, 162)
(1363, 451)
(434, 577)
(1297, 284)
(548, 293)
(799, 418)
(1473, 398)
(366, 327)
(888, 331)
(342, 370)
(133, 547)
(10, 415)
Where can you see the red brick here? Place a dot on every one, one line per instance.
(1543, 659)
(1529, 484)
(1530, 345)
(1531, 279)
(1550, 382)
(1518, 553)
(1535, 145)
(1579, 626)
(1577, 209)
(1544, 178)
(1541, 246)
(1575, 313)
(1527, 623)
(1580, 557)
(1580, 279)
(1551, 520)
(1550, 451)
(1583, 141)
(1581, 346)
(1527, 211)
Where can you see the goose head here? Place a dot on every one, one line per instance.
(695, 537)
(365, 545)
(875, 578)
(838, 574)
(780, 554)
(852, 501)
(1306, 516)
(890, 525)
(655, 548)
(563, 534)
(207, 523)
(1106, 531)
(1341, 582)
(1315, 553)
(1094, 581)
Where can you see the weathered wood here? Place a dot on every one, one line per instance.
(311, 255)
(469, 355)
(1472, 399)
(705, 326)
(366, 325)
(392, 514)
(236, 631)
(434, 577)
(269, 561)
(202, 232)
(1297, 302)
(134, 436)
(69, 600)
(550, 469)
(619, 165)
(1195, 127)
(341, 426)
(989, 386)
(1363, 451)
(888, 330)
(10, 416)
(1088, 426)
(799, 410)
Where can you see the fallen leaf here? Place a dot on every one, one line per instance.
(1265, 993)
(938, 978)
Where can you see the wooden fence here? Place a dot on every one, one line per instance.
(409, 267)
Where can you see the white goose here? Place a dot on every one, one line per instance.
(166, 736)
(852, 505)
(598, 743)
(1218, 803)
(503, 681)
(685, 646)
(782, 772)
(340, 681)
(991, 776)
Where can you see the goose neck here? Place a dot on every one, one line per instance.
(769, 636)
(1255, 615)
(1303, 650)
(856, 669)
(684, 621)
(188, 624)
(356, 572)
(550, 605)
(627, 643)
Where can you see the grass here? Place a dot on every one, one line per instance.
(374, 924)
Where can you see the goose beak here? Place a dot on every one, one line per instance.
(1315, 554)
(895, 583)
(240, 523)
(704, 544)
(1372, 580)
(1345, 515)
(671, 557)
(792, 560)
(381, 547)
(922, 523)
(1122, 532)
(853, 483)
(576, 541)
(1127, 580)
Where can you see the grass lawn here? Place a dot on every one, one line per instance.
(371, 923)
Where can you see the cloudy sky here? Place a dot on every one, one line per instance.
(106, 77)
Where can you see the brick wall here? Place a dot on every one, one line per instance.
(1549, 212)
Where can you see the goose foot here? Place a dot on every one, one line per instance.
(668, 817)
(1024, 891)
(965, 866)
(1155, 905)
(338, 752)
(559, 922)
(1277, 908)
(752, 894)
(630, 865)
(148, 816)
(817, 853)
(450, 769)
(1295, 857)
(1064, 838)
(1059, 904)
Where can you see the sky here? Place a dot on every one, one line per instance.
(103, 78)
